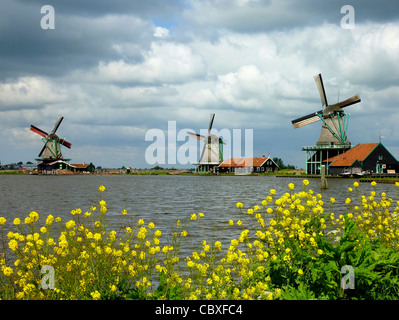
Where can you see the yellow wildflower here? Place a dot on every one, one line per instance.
(101, 188)
(70, 224)
(96, 295)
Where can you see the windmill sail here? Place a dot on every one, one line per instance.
(52, 143)
(335, 120)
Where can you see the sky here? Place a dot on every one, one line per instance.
(118, 70)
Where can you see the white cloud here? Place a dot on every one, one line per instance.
(165, 62)
(161, 32)
(29, 92)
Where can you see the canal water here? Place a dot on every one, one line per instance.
(158, 198)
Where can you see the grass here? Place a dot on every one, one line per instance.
(292, 246)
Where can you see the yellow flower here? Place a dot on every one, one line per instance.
(157, 233)
(2, 220)
(96, 295)
(70, 224)
(239, 222)
(97, 236)
(305, 182)
(34, 216)
(300, 271)
(193, 216)
(27, 220)
(269, 210)
(8, 271)
(17, 221)
(272, 191)
(101, 188)
(239, 205)
(201, 214)
(350, 189)
(396, 184)
(373, 183)
(320, 251)
(124, 212)
(250, 211)
(291, 186)
(332, 200)
(141, 221)
(356, 184)
(231, 222)
(13, 244)
(43, 230)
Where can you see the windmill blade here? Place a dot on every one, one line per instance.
(196, 135)
(40, 153)
(211, 122)
(320, 86)
(66, 143)
(38, 131)
(57, 124)
(310, 118)
(347, 102)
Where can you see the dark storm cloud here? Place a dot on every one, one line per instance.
(85, 33)
(264, 15)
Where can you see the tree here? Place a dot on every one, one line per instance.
(281, 164)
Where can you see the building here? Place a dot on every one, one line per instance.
(82, 167)
(46, 166)
(51, 167)
(364, 157)
(248, 165)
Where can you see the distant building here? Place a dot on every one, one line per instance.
(365, 157)
(248, 165)
(82, 167)
(63, 165)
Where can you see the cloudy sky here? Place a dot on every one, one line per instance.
(117, 69)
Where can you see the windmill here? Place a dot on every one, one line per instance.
(212, 153)
(333, 138)
(335, 120)
(51, 150)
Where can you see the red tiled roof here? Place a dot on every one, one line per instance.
(251, 162)
(244, 162)
(232, 162)
(359, 152)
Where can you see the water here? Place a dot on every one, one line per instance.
(160, 199)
